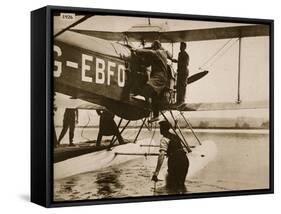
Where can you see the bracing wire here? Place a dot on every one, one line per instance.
(212, 57)
(73, 25)
(223, 53)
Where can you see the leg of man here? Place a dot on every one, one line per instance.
(148, 92)
(179, 96)
(181, 89)
(172, 176)
(182, 172)
(119, 137)
(64, 130)
(71, 131)
(55, 136)
(98, 143)
(177, 170)
(117, 134)
(155, 106)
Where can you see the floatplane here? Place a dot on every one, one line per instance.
(99, 69)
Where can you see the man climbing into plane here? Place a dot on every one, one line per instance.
(159, 77)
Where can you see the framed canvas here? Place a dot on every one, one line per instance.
(134, 106)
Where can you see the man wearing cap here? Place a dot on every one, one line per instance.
(183, 72)
(157, 58)
(108, 127)
(178, 163)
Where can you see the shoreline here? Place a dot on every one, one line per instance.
(200, 130)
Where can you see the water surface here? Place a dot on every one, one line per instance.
(241, 163)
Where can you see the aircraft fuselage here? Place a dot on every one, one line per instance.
(100, 77)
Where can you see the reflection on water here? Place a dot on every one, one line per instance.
(242, 162)
(108, 183)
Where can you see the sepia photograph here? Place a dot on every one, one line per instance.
(150, 106)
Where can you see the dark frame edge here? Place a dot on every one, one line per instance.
(154, 14)
(49, 107)
(38, 108)
(271, 112)
(237, 193)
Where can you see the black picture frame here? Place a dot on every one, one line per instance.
(42, 105)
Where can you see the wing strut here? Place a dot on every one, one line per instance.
(113, 138)
(177, 126)
(184, 143)
(143, 122)
(190, 127)
(239, 70)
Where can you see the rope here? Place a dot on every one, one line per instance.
(82, 132)
(152, 136)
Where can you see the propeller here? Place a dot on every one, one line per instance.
(196, 76)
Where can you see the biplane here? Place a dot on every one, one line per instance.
(99, 67)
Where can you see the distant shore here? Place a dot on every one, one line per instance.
(200, 129)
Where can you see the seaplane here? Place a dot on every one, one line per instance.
(99, 69)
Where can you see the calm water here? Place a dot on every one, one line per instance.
(242, 162)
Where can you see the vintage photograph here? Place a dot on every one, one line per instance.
(149, 106)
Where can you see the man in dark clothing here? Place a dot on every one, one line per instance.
(178, 163)
(183, 72)
(70, 118)
(107, 127)
(157, 58)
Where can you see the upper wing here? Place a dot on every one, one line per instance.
(183, 35)
(107, 35)
(216, 33)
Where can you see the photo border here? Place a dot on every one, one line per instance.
(50, 10)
